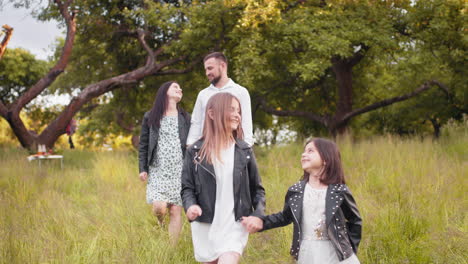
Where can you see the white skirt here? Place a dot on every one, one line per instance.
(208, 247)
(321, 252)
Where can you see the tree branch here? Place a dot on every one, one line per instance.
(308, 115)
(180, 71)
(119, 117)
(8, 33)
(358, 56)
(167, 63)
(59, 67)
(426, 86)
(151, 56)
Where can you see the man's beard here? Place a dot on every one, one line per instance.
(216, 80)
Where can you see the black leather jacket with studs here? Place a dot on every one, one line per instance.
(342, 219)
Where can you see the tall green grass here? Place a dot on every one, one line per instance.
(411, 193)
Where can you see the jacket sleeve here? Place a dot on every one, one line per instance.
(279, 219)
(188, 182)
(196, 120)
(247, 116)
(257, 192)
(353, 219)
(143, 145)
(188, 118)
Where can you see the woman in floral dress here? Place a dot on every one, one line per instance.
(161, 150)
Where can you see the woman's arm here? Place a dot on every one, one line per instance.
(188, 182)
(353, 218)
(143, 145)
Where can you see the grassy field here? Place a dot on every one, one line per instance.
(411, 193)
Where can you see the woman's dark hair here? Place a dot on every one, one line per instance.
(332, 172)
(160, 105)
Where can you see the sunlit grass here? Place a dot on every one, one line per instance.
(411, 193)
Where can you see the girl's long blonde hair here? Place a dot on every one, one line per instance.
(217, 132)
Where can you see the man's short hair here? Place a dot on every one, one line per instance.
(216, 55)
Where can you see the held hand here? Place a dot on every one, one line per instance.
(193, 212)
(143, 176)
(252, 223)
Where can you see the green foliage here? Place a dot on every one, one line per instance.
(426, 57)
(106, 46)
(19, 70)
(287, 58)
(94, 209)
(7, 138)
(280, 50)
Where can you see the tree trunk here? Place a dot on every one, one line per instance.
(135, 141)
(8, 32)
(344, 77)
(26, 138)
(436, 127)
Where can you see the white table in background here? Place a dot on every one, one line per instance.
(39, 158)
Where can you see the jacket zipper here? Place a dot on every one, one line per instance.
(337, 240)
(240, 203)
(207, 171)
(298, 224)
(198, 163)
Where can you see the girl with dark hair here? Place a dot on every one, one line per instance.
(327, 224)
(221, 185)
(162, 146)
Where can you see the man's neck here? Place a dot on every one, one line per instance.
(222, 82)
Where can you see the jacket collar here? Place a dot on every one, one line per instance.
(296, 200)
(242, 144)
(239, 144)
(240, 157)
(333, 201)
(298, 186)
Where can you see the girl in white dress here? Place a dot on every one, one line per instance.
(221, 185)
(327, 224)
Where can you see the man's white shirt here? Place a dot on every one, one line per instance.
(198, 114)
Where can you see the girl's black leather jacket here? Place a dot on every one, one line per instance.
(199, 183)
(342, 218)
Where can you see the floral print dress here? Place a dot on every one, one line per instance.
(165, 171)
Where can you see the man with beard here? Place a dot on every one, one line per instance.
(216, 71)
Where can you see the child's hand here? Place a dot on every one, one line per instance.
(143, 176)
(252, 223)
(193, 212)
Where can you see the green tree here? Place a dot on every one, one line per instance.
(119, 43)
(19, 70)
(313, 59)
